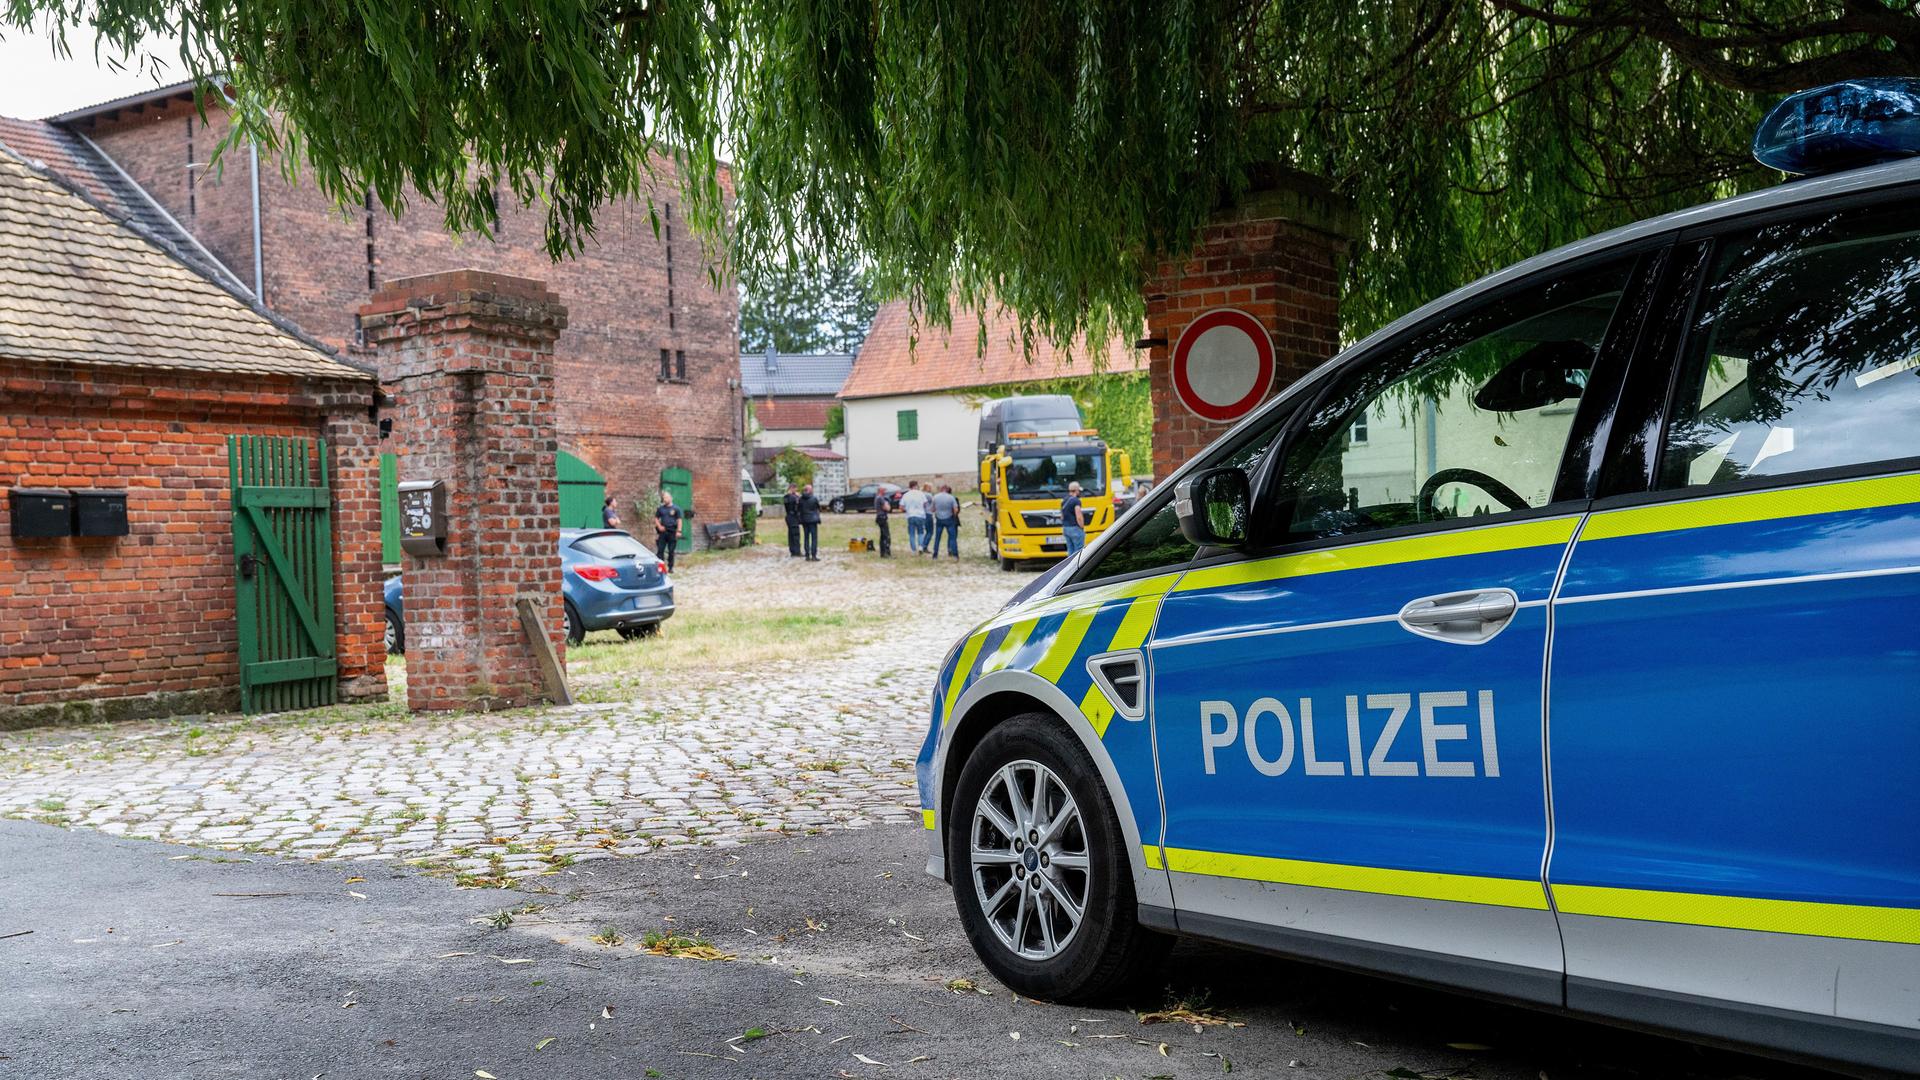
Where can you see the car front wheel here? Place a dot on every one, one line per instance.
(396, 634)
(1040, 869)
(839, 506)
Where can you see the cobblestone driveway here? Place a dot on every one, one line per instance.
(717, 759)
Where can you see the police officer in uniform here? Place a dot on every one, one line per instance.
(666, 528)
(791, 506)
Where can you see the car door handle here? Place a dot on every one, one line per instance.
(1465, 618)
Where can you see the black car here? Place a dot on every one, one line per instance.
(863, 498)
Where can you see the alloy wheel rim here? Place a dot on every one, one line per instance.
(1030, 865)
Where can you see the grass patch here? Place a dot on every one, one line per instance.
(681, 946)
(702, 641)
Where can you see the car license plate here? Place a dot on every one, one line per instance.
(1054, 542)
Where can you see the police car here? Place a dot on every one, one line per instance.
(1557, 643)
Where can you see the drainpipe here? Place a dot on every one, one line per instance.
(253, 156)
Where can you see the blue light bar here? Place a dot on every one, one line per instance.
(1842, 126)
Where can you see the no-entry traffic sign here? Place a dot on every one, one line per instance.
(1222, 365)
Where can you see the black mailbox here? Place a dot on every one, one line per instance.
(98, 512)
(41, 512)
(423, 517)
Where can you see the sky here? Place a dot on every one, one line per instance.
(35, 83)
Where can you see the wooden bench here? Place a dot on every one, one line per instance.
(725, 534)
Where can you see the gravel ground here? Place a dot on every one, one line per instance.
(714, 756)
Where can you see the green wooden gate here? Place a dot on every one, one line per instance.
(582, 491)
(680, 482)
(283, 571)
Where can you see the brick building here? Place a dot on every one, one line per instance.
(124, 371)
(648, 370)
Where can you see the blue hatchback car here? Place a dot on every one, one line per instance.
(1554, 643)
(610, 580)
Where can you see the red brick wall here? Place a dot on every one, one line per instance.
(614, 412)
(168, 151)
(1282, 270)
(145, 623)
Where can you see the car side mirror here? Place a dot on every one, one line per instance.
(1213, 507)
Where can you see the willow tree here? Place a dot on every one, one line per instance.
(1046, 153)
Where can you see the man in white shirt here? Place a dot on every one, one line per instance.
(914, 505)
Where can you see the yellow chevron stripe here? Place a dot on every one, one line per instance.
(1521, 534)
(1855, 921)
(1425, 885)
(1137, 623)
(1097, 709)
(926, 818)
(1754, 506)
(1016, 636)
(1066, 642)
(960, 669)
(1154, 861)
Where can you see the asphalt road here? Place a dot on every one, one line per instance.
(150, 960)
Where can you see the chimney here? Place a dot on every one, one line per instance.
(773, 359)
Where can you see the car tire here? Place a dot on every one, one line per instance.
(396, 634)
(838, 506)
(1006, 563)
(576, 630)
(1107, 951)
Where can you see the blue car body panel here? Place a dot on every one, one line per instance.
(1735, 726)
(639, 595)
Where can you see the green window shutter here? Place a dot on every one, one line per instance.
(909, 421)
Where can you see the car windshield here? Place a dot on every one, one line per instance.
(1033, 475)
(611, 545)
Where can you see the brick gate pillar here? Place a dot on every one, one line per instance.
(1277, 256)
(468, 358)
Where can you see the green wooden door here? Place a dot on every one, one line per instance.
(582, 491)
(680, 482)
(390, 551)
(283, 571)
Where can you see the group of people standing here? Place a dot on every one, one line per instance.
(930, 515)
(803, 523)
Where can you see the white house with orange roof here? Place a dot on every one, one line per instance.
(913, 398)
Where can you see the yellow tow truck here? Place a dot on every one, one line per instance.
(1023, 480)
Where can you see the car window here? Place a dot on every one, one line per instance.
(1468, 419)
(1152, 537)
(610, 546)
(1803, 353)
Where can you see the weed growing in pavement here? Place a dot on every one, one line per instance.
(609, 936)
(679, 945)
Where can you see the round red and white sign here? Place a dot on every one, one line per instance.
(1222, 365)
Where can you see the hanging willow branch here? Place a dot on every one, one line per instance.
(1042, 154)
